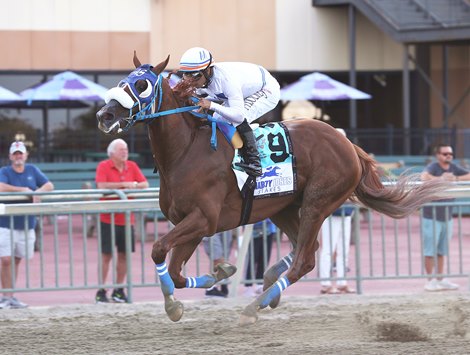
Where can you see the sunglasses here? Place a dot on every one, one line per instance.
(447, 154)
(192, 75)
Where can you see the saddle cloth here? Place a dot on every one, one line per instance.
(277, 161)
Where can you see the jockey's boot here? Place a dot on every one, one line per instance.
(251, 162)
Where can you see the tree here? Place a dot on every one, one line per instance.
(16, 128)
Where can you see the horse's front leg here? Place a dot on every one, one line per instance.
(189, 230)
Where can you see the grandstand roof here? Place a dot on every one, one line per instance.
(415, 21)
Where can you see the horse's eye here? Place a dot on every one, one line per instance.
(141, 85)
(144, 87)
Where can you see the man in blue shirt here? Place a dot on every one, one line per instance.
(437, 233)
(18, 236)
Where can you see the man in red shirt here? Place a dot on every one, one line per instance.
(117, 172)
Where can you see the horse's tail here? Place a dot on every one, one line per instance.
(395, 200)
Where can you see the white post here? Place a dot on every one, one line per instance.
(243, 250)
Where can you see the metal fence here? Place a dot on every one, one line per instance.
(68, 250)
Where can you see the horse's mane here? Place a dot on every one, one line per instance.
(183, 90)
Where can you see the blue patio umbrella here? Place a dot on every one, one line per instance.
(69, 86)
(318, 86)
(8, 96)
(63, 90)
(65, 86)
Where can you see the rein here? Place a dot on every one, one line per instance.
(144, 115)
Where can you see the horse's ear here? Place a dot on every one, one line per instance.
(136, 60)
(161, 67)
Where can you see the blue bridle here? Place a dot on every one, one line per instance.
(146, 100)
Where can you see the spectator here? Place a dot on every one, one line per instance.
(263, 234)
(437, 231)
(117, 172)
(218, 249)
(18, 177)
(335, 241)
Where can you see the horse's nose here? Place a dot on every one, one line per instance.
(103, 116)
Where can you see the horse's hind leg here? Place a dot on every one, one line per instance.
(312, 216)
(288, 222)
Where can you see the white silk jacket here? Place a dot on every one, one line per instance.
(244, 90)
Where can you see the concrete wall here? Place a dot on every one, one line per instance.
(316, 38)
(68, 34)
(102, 34)
(241, 30)
(282, 35)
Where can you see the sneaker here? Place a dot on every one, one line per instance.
(253, 291)
(4, 303)
(258, 289)
(101, 296)
(249, 292)
(433, 286)
(224, 289)
(447, 285)
(15, 303)
(215, 292)
(119, 296)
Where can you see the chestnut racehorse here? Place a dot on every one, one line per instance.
(199, 193)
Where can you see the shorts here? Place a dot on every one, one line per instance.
(436, 234)
(19, 243)
(218, 246)
(120, 238)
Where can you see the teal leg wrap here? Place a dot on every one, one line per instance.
(204, 281)
(274, 291)
(167, 284)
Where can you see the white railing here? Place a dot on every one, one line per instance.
(66, 254)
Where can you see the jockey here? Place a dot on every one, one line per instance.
(246, 92)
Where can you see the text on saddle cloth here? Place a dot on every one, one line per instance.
(277, 161)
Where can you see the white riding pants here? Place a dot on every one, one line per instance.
(336, 235)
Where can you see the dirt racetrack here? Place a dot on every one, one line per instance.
(341, 324)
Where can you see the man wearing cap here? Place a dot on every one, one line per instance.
(18, 177)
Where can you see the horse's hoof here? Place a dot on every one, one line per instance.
(224, 271)
(249, 315)
(275, 302)
(174, 309)
(247, 320)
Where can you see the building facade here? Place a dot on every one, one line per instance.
(97, 38)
